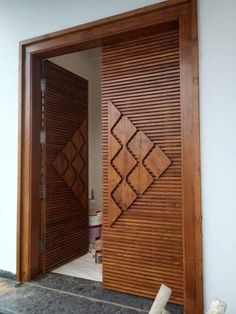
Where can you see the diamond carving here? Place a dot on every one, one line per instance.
(124, 195)
(135, 162)
(124, 130)
(61, 163)
(157, 162)
(125, 163)
(69, 176)
(71, 164)
(140, 179)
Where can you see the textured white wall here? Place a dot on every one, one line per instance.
(217, 29)
(88, 65)
(217, 25)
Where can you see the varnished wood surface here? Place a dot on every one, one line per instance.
(191, 158)
(72, 164)
(120, 27)
(143, 248)
(66, 166)
(119, 17)
(134, 162)
(148, 20)
(197, 277)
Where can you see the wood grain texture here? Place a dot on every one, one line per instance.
(32, 51)
(135, 161)
(72, 164)
(28, 257)
(120, 28)
(66, 166)
(144, 246)
(191, 158)
(162, 7)
(140, 179)
(198, 275)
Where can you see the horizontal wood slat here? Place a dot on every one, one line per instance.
(143, 248)
(65, 206)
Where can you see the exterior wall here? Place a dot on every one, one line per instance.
(217, 26)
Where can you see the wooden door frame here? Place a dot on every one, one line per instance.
(87, 36)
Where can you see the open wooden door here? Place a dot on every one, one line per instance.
(143, 224)
(65, 165)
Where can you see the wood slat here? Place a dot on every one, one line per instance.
(144, 246)
(65, 207)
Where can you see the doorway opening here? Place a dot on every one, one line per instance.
(72, 165)
(147, 115)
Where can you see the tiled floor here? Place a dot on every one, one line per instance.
(83, 267)
(56, 293)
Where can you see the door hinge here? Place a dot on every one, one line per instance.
(42, 191)
(42, 246)
(42, 137)
(43, 85)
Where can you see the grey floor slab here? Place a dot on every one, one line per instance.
(37, 300)
(55, 293)
(91, 289)
(95, 290)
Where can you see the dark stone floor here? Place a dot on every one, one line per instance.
(54, 293)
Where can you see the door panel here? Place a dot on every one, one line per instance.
(142, 159)
(65, 166)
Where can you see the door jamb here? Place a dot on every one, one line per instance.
(87, 36)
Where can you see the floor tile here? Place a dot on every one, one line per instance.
(82, 267)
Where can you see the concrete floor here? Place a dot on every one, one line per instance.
(56, 293)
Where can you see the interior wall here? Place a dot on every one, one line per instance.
(88, 65)
(217, 24)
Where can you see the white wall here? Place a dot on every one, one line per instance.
(217, 24)
(88, 65)
(217, 27)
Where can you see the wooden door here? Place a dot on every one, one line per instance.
(65, 154)
(142, 156)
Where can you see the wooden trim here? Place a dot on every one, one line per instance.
(191, 163)
(86, 36)
(20, 157)
(102, 32)
(105, 21)
(197, 161)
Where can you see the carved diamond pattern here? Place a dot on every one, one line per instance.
(69, 151)
(61, 163)
(140, 179)
(124, 195)
(69, 176)
(157, 162)
(124, 162)
(78, 164)
(71, 164)
(124, 130)
(135, 163)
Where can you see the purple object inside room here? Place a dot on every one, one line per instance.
(94, 233)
